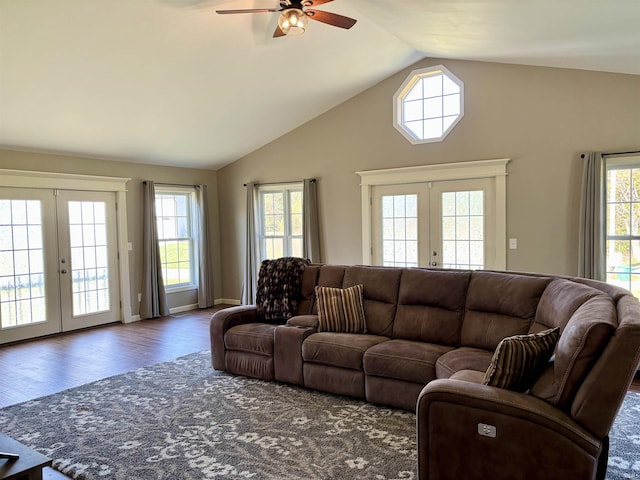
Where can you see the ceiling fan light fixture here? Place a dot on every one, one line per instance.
(292, 21)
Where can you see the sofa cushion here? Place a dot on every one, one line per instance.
(340, 310)
(519, 360)
(584, 337)
(499, 305)
(328, 276)
(380, 295)
(431, 306)
(307, 289)
(343, 350)
(404, 360)
(251, 337)
(463, 358)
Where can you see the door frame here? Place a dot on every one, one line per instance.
(72, 181)
(496, 168)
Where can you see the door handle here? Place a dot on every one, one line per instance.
(433, 264)
(64, 270)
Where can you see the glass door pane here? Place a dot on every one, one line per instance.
(462, 218)
(28, 276)
(462, 224)
(87, 259)
(400, 230)
(399, 225)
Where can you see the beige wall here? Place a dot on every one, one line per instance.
(137, 172)
(541, 118)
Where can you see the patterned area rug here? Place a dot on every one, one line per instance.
(182, 420)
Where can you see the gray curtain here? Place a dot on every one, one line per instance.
(250, 281)
(154, 301)
(311, 224)
(592, 243)
(205, 260)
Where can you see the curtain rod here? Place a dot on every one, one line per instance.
(172, 184)
(633, 152)
(284, 183)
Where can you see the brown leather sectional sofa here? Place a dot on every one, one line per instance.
(430, 338)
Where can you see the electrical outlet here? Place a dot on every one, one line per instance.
(513, 243)
(139, 297)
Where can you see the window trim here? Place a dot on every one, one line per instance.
(190, 192)
(496, 168)
(407, 86)
(615, 162)
(286, 187)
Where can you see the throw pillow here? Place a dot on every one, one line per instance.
(341, 310)
(519, 360)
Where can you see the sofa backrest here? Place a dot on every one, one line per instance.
(431, 306)
(582, 340)
(319, 275)
(559, 302)
(380, 295)
(499, 305)
(599, 396)
(307, 289)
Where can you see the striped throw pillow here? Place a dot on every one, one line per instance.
(341, 310)
(519, 360)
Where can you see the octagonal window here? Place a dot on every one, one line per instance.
(428, 105)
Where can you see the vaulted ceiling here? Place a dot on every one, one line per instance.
(171, 82)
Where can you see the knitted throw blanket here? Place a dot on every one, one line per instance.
(279, 286)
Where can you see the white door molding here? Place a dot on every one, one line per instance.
(72, 181)
(496, 168)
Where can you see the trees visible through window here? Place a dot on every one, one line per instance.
(281, 227)
(174, 216)
(623, 223)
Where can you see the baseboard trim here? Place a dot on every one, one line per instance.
(227, 301)
(186, 308)
(183, 308)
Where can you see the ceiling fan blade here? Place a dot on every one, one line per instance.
(331, 18)
(278, 32)
(315, 3)
(250, 10)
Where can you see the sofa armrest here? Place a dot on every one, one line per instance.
(467, 430)
(220, 322)
(304, 321)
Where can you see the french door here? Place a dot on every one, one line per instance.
(58, 261)
(448, 224)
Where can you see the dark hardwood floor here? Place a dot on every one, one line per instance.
(48, 365)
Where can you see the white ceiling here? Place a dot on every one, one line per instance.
(171, 82)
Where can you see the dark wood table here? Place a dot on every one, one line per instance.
(27, 467)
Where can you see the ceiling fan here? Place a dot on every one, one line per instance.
(294, 14)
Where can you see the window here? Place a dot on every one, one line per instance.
(175, 208)
(280, 226)
(623, 223)
(428, 105)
